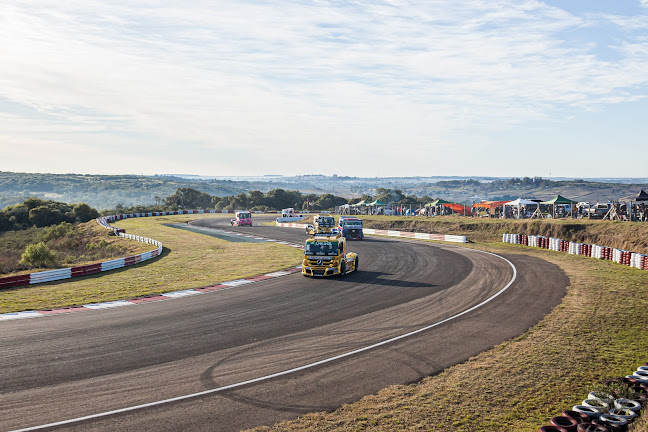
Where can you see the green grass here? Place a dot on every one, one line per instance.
(598, 332)
(189, 260)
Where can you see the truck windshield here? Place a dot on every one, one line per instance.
(352, 224)
(244, 215)
(321, 248)
(328, 222)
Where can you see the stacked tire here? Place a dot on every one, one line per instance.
(603, 412)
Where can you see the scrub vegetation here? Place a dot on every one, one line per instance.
(62, 245)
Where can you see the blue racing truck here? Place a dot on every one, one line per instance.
(351, 228)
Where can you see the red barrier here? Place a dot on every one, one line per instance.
(132, 260)
(86, 270)
(12, 281)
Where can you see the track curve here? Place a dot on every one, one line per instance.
(70, 366)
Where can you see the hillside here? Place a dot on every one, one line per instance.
(109, 191)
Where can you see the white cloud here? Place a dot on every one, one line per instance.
(207, 78)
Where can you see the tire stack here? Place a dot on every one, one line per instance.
(606, 411)
(620, 256)
(636, 260)
(574, 248)
(625, 257)
(616, 255)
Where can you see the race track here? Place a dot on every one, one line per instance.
(74, 365)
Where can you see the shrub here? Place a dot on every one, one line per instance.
(59, 231)
(38, 255)
(83, 212)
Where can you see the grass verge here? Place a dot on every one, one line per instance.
(189, 260)
(597, 333)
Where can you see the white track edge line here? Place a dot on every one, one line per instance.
(282, 373)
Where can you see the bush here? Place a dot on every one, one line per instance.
(84, 213)
(38, 255)
(59, 231)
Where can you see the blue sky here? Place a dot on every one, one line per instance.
(360, 88)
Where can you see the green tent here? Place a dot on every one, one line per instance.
(360, 203)
(438, 202)
(377, 203)
(559, 200)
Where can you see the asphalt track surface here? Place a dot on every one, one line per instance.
(74, 365)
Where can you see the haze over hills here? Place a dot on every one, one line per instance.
(108, 191)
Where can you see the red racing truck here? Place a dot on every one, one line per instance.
(242, 218)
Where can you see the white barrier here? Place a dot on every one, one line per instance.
(50, 275)
(392, 233)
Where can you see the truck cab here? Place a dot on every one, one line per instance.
(321, 224)
(351, 228)
(326, 255)
(242, 218)
(288, 212)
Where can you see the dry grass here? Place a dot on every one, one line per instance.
(597, 333)
(189, 260)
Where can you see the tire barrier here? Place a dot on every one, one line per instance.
(390, 233)
(600, 411)
(606, 411)
(631, 259)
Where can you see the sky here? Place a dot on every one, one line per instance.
(355, 88)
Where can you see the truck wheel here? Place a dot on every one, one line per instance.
(343, 268)
(356, 264)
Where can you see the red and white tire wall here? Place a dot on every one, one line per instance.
(619, 256)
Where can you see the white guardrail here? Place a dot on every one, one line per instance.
(391, 233)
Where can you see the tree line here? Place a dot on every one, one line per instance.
(35, 212)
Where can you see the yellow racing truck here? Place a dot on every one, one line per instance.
(322, 224)
(325, 255)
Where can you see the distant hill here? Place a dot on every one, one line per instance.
(107, 191)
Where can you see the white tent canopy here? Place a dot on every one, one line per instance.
(519, 202)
